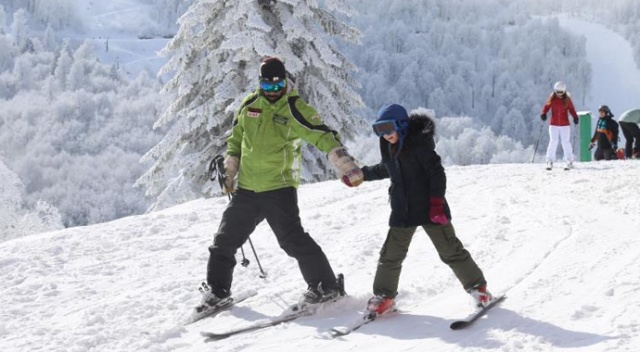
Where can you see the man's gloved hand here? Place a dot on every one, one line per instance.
(576, 120)
(591, 145)
(231, 164)
(543, 117)
(436, 211)
(347, 181)
(348, 172)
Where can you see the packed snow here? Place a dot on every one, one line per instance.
(562, 245)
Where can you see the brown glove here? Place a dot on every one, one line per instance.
(231, 164)
(348, 172)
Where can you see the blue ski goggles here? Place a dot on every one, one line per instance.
(381, 128)
(272, 87)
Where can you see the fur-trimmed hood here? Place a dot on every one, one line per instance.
(422, 128)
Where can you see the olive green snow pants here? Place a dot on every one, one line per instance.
(450, 250)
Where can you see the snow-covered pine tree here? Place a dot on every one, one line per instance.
(16, 220)
(214, 59)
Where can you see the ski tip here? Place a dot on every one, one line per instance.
(246, 294)
(457, 325)
(461, 324)
(209, 336)
(339, 331)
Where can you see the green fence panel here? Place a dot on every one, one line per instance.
(585, 136)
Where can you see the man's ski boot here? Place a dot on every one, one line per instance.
(213, 298)
(316, 295)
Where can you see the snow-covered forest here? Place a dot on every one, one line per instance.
(83, 98)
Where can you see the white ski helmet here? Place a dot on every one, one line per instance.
(560, 87)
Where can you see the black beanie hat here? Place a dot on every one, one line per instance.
(272, 69)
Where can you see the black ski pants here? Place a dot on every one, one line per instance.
(604, 149)
(631, 132)
(280, 208)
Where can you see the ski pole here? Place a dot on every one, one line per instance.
(263, 274)
(217, 170)
(535, 149)
(245, 261)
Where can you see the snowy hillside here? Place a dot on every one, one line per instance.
(123, 33)
(563, 245)
(615, 77)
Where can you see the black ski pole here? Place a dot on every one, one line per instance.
(263, 274)
(245, 261)
(535, 149)
(217, 170)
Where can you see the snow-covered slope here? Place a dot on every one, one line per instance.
(563, 245)
(124, 33)
(615, 77)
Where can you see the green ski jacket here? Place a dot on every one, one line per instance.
(266, 137)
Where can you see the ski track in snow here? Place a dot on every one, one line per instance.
(563, 245)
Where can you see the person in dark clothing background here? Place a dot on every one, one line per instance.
(605, 138)
(417, 197)
(629, 121)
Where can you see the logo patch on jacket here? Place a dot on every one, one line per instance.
(280, 119)
(251, 112)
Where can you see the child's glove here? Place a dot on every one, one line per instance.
(436, 211)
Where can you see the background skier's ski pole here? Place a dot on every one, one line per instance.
(535, 149)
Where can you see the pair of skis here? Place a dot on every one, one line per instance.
(456, 325)
(565, 168)
(338, 330)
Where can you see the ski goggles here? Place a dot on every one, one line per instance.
(272, 87)
(381, 128)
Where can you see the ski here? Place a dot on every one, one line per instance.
(346, 330)
(225, 304)
(214, 336)
(337, 331)
(461, 324)
(294, 312)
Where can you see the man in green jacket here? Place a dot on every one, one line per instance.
(264, 152)
(629, 121)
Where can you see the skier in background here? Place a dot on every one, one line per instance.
(606, 136)
(560, 104)
(629, 121)
(417, 197)
(264, 151)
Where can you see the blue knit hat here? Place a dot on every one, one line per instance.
(389, 112)
(392, 112)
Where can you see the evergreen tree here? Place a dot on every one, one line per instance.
(214, 59)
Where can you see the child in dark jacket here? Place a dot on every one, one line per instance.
(606, 136)
(417, 196)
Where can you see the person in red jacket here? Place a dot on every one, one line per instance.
(561, 106)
